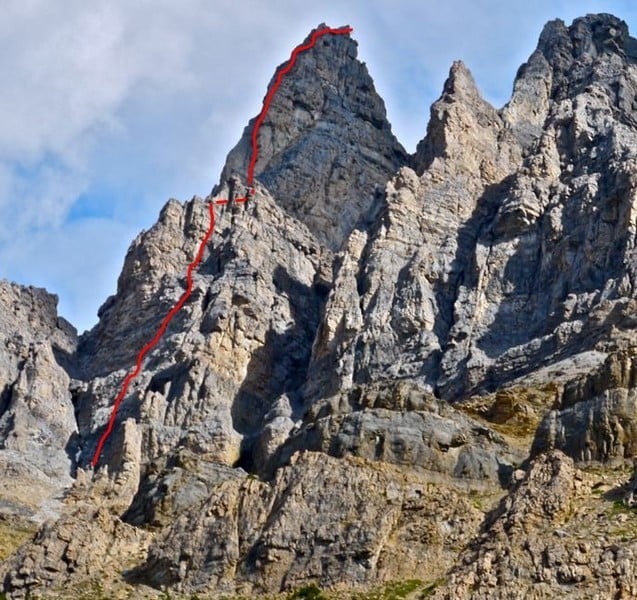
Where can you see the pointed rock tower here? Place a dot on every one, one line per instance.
(326, 148)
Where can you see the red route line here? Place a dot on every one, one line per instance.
(167, 319)
(279, 78)
(202, 246)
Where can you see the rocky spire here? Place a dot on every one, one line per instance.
(594, 52)
(463, 129)
(325, 145)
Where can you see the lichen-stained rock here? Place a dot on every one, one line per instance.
(36, 412)
(542, 542)
(322, 520)
(325, 146)
(87, 548)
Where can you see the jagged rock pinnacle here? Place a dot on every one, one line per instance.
(325, 146)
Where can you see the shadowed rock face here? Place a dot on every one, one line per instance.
(385, 343)
(326, 148)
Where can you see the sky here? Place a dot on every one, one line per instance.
(108, 109)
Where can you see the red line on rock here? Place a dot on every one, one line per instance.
(284, 70)
(167, 319)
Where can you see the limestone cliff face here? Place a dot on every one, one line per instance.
(326, 148)
(37, 424)
(392, 304)
(390, 367)
(257, 300)
(232, 361)
(512, 243)
(557, 255)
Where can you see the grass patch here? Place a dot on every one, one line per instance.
(618, 507)
(308, 592)
(396, 590)
(12, 536)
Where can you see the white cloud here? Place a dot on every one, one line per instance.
(32, 203)
(67, 68)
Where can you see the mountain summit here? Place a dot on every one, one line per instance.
(326, 148)
(395, 374)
